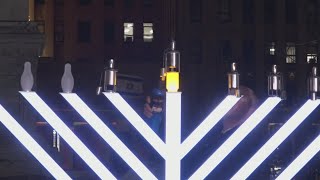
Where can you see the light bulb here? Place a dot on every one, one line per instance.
(67, 81)
(26, 80)
(172, 81)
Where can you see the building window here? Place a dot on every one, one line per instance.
(59, 32)
(224, 11)
(41, 2)
(270, 53)
(109, 3)
(195, 11)
(84, 2)
(128, 3)
(269, 11)
(226, 51)
(248, 12)
(312, 56)
(147, 3)
(311, 12)
(108, 32)
(147, 32)
(84, 31)
(248, 52)
(291, 11)
(291, 53)
(128, 32)
(196, 52)
(272, 49)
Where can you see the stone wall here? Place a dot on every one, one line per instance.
(19, 42)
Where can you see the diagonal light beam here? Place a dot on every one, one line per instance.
(137, 122)
(297, 164)
(207, 124)
(215, 159)
(31, 145)
(75, 101)
(173, 135)
(67, 135)
(276, 140)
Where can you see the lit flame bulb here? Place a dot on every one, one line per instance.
(172, 81)
(67, 81)
(26, 80)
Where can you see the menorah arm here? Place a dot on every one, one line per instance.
(76, 102)
(207, 124)
(133, 117)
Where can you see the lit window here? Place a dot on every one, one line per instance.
(147, 32)
(128, 32)
(312, 58)
(291, 53)
(312, 54)
(272, 49)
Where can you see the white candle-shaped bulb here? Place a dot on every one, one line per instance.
(26, 80)
(67, 81)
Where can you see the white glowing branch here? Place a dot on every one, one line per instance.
(215, 159)
(67, 135)
(109, 137)
(301, 160)
(31, 145)
(173, 135)
(137, 122)
(207, 124)
(276, 140)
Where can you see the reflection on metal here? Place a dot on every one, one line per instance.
(233, 81)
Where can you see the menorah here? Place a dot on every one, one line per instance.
(172, 150)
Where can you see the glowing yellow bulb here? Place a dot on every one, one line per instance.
(172, 81)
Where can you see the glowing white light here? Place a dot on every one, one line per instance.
(301, 160)
(213, 161)
(67, 135)
(137, 122)
(98, 125)
(276, 140)
(207, 124)
(173, 134)
(32, 146)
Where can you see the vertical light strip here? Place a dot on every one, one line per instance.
(63, 130)
(75, 101)
(32, 146)
(207, 124)
(297, 164)
(173, 135)
(276, 140)
(137, 122)
(213, 161)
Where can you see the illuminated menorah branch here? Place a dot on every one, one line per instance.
(173, 150)
(301, 160)
(63, 130)
(109, 137)
(284, 131)
(31, 145)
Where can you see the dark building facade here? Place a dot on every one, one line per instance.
(211, 34)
